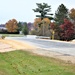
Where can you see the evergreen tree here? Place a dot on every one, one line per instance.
(61, 14)
(20, 26)
(25, 29)
(43, 9)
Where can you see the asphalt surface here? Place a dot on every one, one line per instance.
(55, 46)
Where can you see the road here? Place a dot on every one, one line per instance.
(56, 46)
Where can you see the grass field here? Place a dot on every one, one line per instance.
(25, 63)
(12, 35)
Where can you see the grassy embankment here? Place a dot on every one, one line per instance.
(25, 63)
(12, 35)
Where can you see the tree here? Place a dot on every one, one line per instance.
(72, 14)
(25, 29)
(36, 25)
(45, 27)
(60, 14)
(67, 31)
(37, 22)
(30, 26)
(11, 25)
(43, 9)
(20, 26)
(47, 21)
(42, 26)
(52, 29)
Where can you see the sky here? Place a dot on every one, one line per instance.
(21, 10)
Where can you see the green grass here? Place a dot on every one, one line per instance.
(25, 63)
(12, 35)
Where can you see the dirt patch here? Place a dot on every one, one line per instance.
(18, 44)
(5, 47)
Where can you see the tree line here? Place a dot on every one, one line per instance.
(14, 27)
(61, 26)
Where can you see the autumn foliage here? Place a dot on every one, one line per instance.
(47, 20)
(42, 26)
(38, 21)
(11, 25)
(67, 31)
(72, 14)
(52, 25)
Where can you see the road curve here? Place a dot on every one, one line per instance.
(50, 45)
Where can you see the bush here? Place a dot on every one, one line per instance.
(2, 37)
(33, 32)
(67, 31)
(25, 30)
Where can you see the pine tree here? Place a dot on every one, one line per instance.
(20, 26)
(25, 29)
(61, 14)
(43, 9)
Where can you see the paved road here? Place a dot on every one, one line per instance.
(61, 47)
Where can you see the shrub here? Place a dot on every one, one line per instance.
(3, 37)
(33, 32)
(25, 30)
(67, 31)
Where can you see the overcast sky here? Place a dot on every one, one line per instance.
(21, 10)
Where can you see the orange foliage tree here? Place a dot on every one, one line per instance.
(37, 21)
(11, 25)
(72, 14)
(42, 26)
